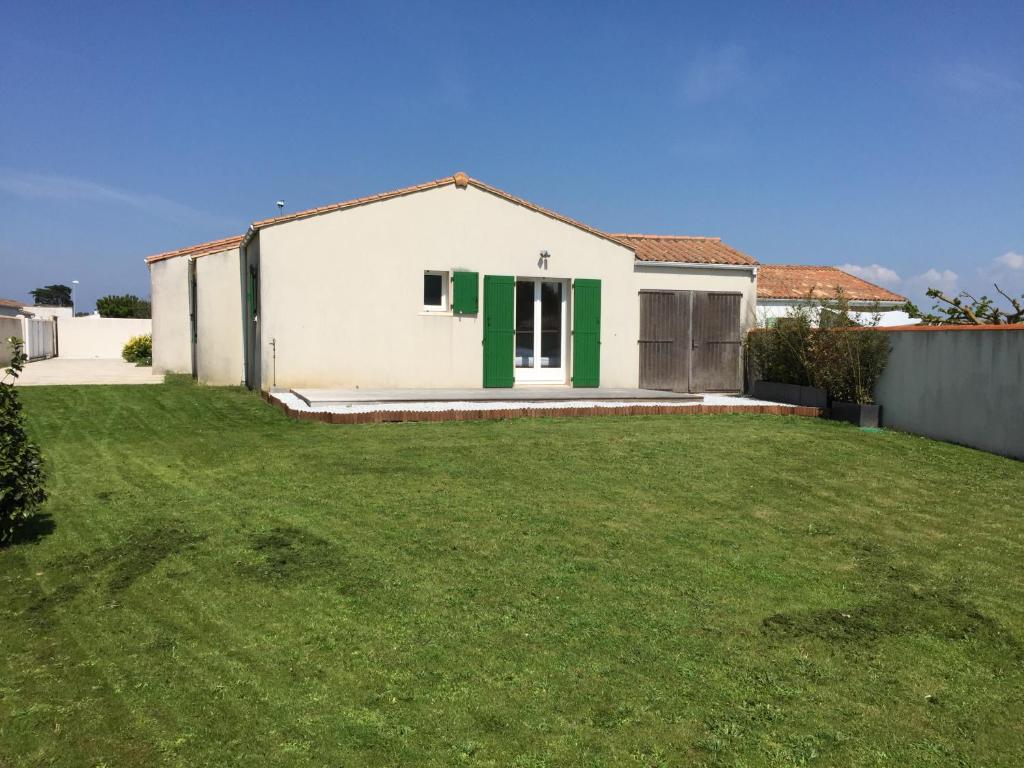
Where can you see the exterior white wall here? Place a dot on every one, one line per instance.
(9, 326)
(219, 320)
(45, 313)
(888, 318)
(81, 338)
(172, 343)
(960, 385)
(689, 278)
(342, 293)
(38, 337)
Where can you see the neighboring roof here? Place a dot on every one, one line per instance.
(460, 180)
(11, 303)
(795, 281)
(214, 246)
(684, 249)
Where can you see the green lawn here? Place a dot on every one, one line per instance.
(213, 584)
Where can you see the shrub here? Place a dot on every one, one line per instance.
(139, 349)
(779, 353)
(839, 355)
(847, 362)
(21, 464)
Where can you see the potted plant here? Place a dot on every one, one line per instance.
(846, 357)
(777, 358)
(821, 354)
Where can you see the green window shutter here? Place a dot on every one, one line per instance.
(499, 330)
(466, 289)
(586, 333)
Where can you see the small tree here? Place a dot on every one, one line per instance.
(52, 296)
(964, 309)
(128, 305)
(21, 464)
(844, 356)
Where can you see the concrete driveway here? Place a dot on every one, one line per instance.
(58, 370)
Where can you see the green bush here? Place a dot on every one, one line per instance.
(842, 355)
(21, 464)
(139, 349)
(779, 353)
(847, 362)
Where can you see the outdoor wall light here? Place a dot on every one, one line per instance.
(543, 260)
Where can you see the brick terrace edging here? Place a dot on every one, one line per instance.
(381, 417)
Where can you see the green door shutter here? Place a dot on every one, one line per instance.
(586, 333)
(465, 286)
(499, 330)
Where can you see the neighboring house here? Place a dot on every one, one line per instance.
(452, 283)
(783, 287)
(12, 308)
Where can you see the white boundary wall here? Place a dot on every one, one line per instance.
(172, 333)
(964, 386)
(85, 338)
(9, 326)
(39, 337)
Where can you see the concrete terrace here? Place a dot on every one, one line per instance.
(326, 397)
(342, 406)
(62, 371)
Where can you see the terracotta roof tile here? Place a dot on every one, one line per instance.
(795, 281)
(203, 249)
(685, 249)
(11, 303)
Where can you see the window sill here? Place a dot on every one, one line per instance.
(436, 313)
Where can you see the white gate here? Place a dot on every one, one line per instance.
(40, 338)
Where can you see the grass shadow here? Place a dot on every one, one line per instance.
(32, 530)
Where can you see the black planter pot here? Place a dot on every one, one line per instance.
(793, 394)
(855, 413)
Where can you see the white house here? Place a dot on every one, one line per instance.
(452, 283)
(783, 287)
(12, 308)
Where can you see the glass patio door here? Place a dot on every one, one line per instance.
(540, 330)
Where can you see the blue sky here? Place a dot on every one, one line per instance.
(886, 136)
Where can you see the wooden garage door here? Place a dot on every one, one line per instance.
(665, 340)
(716, 348)
(690, 341)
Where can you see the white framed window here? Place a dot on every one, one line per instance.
(435, 291)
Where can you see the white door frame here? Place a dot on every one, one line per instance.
(536, 374)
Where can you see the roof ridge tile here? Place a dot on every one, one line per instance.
(200, 249)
